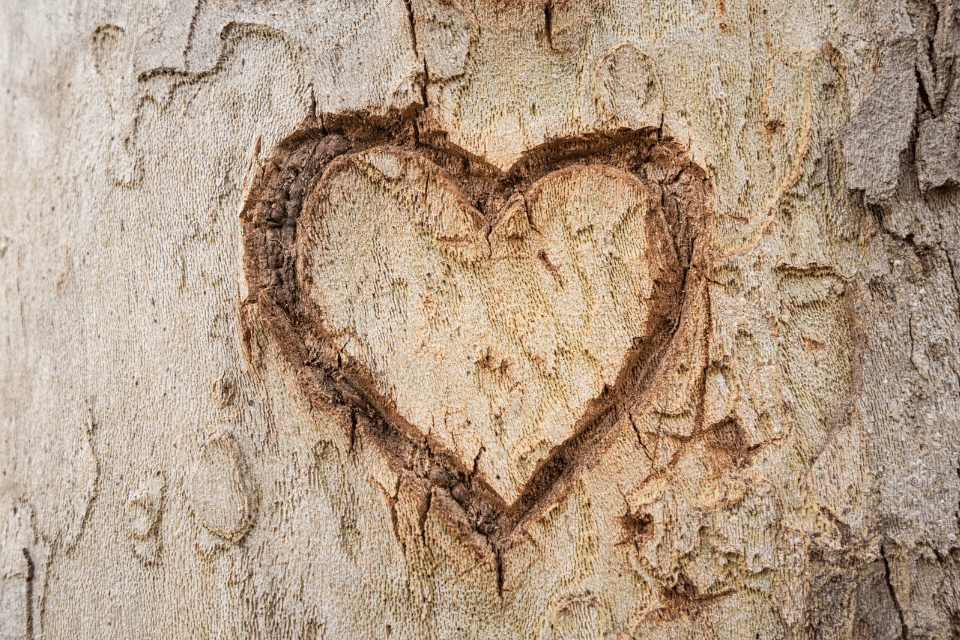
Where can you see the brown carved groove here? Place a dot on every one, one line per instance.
(679, 197)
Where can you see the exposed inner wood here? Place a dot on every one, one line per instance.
(612, 226)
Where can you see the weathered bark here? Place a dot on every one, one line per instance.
(488, 319)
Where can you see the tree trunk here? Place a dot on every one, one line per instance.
(513, 319)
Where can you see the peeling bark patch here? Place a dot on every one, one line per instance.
(372, 249)
(882, 127)
(938, 154)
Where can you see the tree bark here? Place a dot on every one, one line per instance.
(513, 319)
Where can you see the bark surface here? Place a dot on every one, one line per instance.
(478, 319)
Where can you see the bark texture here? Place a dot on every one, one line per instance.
(453, 319)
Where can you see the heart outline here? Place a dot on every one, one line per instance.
(345, 387)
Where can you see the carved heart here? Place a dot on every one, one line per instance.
(488, 356)
(490, 341)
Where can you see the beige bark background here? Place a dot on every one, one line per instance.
(163, 474)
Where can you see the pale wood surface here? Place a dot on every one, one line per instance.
(485, 337)
(165, 475)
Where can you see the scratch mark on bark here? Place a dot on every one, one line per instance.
(191, 31)
(636, 430)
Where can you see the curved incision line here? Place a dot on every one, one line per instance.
(280, 204)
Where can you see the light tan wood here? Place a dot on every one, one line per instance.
(187, 451)
(491, 340)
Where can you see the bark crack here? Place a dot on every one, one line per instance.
(412, 23)
(425, 83)
(904, 632)
(548, 23)
(636, 430)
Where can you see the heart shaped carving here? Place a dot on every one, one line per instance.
(487, 331)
